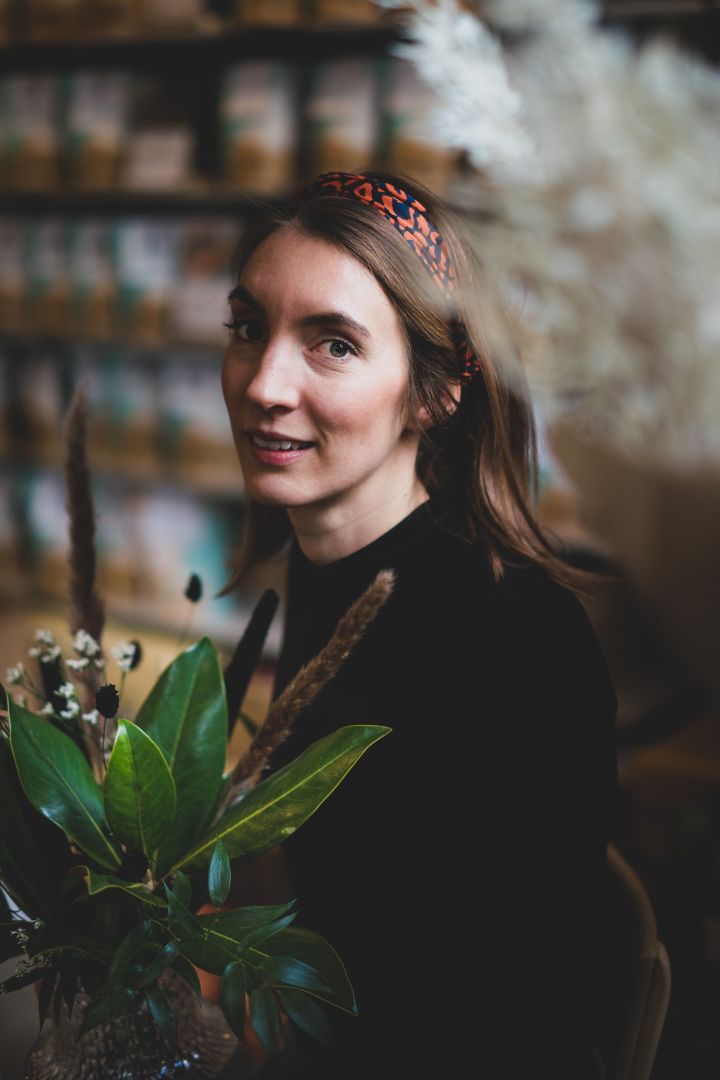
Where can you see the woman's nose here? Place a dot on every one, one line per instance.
(275, 377)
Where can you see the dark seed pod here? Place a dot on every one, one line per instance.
(137, 656)
(194, 588)
(107, 700)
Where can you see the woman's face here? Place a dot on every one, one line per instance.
(317, 355)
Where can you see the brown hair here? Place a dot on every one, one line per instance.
(485, 448)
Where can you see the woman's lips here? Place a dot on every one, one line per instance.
(276, 457)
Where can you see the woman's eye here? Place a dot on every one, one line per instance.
(339, 349)
(244, 329)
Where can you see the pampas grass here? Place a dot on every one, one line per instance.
(309, 681)
(599, 182)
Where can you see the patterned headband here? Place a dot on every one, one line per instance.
(409, 217)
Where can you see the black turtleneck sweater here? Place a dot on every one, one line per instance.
(458, 869)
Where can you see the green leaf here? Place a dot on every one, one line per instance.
(107, 1007)
(98, 883)
(265, 1018)
(206, 955)
(137, 939)
(281, 803)
(59, 783)
(34, 854)
(139, 790)
(232, 998)
(182, 923)
(311, 947)
(307, 1014)
(186, 715)
(236, 922)
(187, 972)
(162, 961)
(163, 1014)
(182, 889)
(288, 971)
(219, 875)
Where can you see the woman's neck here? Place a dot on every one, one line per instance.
(328, 532)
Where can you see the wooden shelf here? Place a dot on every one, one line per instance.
(163, 51)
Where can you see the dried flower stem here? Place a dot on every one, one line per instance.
(308, 682)
(86, 608)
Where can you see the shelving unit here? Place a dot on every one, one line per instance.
(190, 63)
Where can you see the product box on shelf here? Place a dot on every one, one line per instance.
(92, 280)
(195, 434)
(48, 286)
(268, 12)
(95, 129)
(40, 403)
(122, 390)
(352, 12)
(42, 493)
(341, 116)
(146, 274)
(410, 145)
(9, 568)
(198, 304)
(108, 18)
(30, 111)
(258, 126)
(47, 20)
(13, 235)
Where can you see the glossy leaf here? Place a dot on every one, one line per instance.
(181, 921)
(280, 804)
(99, 883)
(163, 1014)
(186, 971)
(238, 921)
(139, 790)
(59, 783)
(289, 971)
(142, 938)
(232, 998)
(34, 854)
(206, 955)
(265, 1018)
(182, 889)
(186, 715)
(311, 947)
(219, 875)
(164, 959)
(304, 1011)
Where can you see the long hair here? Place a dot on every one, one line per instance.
(483, 448)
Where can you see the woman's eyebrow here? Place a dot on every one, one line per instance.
(319, 318)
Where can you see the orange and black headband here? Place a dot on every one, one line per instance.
(409, 217)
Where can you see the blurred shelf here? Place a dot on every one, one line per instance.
(164, 51)
(137, 613)
(197, 197)
(211, 351)
(207, 480)
(630, 9)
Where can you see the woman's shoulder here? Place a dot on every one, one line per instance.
(525, 612)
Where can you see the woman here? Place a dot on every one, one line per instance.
(458, 869)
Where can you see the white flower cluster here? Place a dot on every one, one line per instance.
(46, 649)
(88, 651)
(124, 654)
(15, 675)
(72, 705)
(609, 229)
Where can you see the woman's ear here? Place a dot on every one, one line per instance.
(423, 420)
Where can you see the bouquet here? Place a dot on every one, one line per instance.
(115, 831)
